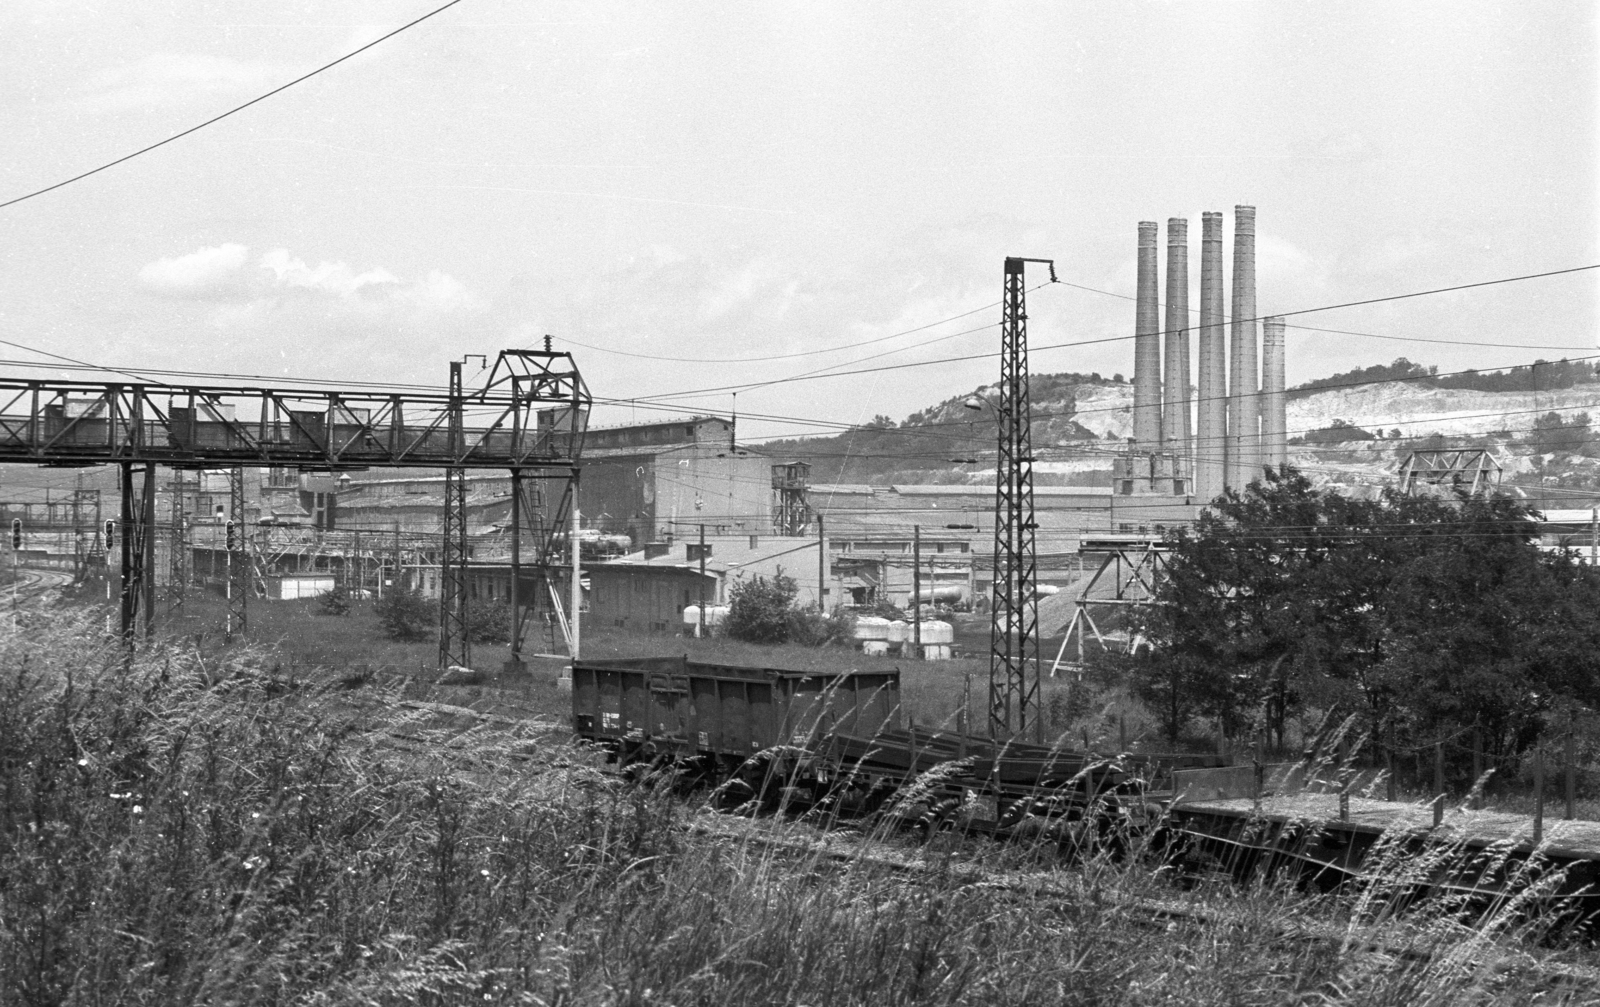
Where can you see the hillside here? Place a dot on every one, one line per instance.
(1340, 435)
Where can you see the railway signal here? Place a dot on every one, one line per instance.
(233, 537)
(16, 533)
(111, 535)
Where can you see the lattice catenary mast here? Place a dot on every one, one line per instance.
(1014, 626)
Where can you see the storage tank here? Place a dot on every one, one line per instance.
(715, 615)
(937, 631)
(899, 632)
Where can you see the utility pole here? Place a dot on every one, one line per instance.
(916, 591)
(575, 591)
(238, 557)
(1014, 707)
(701, 632)
(822, 569)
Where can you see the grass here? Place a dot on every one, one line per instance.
(178, 828)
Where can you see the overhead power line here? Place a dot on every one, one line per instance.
(830, 373)
(231, 111)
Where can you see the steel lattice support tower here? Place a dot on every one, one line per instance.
(178, 556)
(1014, 625)
(454, 646)
(237, 545)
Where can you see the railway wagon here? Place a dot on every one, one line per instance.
(675, 708)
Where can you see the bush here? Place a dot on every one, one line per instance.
(489, 622)
(813, 629)
(334, 602)
(407, 615)
(758, 609)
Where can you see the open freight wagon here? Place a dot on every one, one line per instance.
(811, 737)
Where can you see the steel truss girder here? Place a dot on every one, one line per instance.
(138, 552)
(1471, 470)
(533, 414)
(1014, 707)
(1135, 573)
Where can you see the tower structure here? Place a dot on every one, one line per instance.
(1244, 378)
(1175, 412)
(1211, 419)
(454, 646)
(1147, 344)
(1274, 425)
(1014, 625)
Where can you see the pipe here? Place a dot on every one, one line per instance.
(1211, 420)
(1244, 381)
(1175, 411)
(1274, 421)
(1147, 345)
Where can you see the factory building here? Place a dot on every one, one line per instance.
(1238, 417)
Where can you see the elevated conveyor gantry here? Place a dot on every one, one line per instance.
(529, 418)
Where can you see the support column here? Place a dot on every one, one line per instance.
(237, 545)
(130, 574)
(147, 542)
(516, 568)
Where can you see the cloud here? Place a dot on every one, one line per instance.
(337, 283)
(177, 78)
(204, 271)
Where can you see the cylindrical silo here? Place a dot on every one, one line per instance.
(1211, 412)
(1274, 421)
(1147, 345)
(1244, 376)
(1175, 408)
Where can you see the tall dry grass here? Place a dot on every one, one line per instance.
(174, 832)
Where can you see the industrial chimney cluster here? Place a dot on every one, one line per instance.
(1237, 422)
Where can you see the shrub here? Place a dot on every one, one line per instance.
(334, 602)
(489, 622)
(758, 609)
(407, 615)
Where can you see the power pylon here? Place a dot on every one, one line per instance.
(1014, 708)
(238, 548)
(454, 646)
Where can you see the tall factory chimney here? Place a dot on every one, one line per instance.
(1211, 420)
(1147, 345)
(1244, 381)
(1274, 421)
(1175, 411)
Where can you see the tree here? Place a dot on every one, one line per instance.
(1423, 615)
(758, 609)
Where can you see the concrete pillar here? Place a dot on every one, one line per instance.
(1211, 420)
(1274, 421)
(1244, 376)
(1147, 345)
(1175, 409)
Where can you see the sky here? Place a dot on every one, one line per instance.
(699, 196)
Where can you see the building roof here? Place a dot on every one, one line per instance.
(729, 553)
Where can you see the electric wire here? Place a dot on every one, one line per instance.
(239, 108)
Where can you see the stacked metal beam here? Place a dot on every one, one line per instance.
(1244, 391)
(1274, 421)
(1211, 423)
(1147, 345)
(1175, 415)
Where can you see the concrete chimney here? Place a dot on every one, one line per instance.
(1211, 419)
(1274, 419)
(1244, 377)
(1175, 409)
(1147, 345)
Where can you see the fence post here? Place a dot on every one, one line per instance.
(1388, 763)
(1571, 767)
(1344, 778)
(1538, 787)
(1477, 765)
(1438, 783)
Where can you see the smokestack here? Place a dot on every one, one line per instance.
(1147, 345)
(1244, 378)
(1211, 419)
(1274, 421)
(1175, 413)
